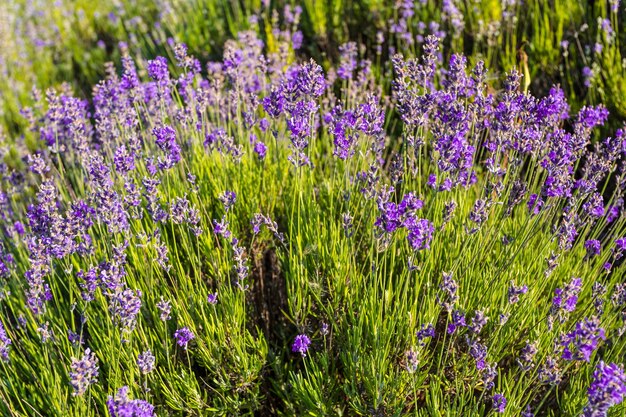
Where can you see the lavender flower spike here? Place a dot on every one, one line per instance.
(301, 344)
(183, 336)
(84, 372)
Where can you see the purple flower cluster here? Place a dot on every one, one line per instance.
(125, 306)
(183, 336)
(165, 309)
(121, 406)
(145, 362)
(5, 344)
(447, 296)
(301, 344)
(607, 389)
(515, 292)
(426, 331)
(84, 372)
(527, 356)
(262, 220)
(564, 301)
(166, 140)
(394, 216)
(499, 403)
(457, 321)
(580, 343)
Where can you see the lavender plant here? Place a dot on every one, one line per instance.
(447, 249)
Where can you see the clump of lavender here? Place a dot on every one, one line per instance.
(5, 344)
(527, 356)
(515, 292)
(121, 406)
(165, 309)
(550, 372)
(564, 301)
(478, 322)
(301, 344)
(580, 343)
(607, 389)
(145, 362)
(262, 220)
(125, 306)
(457, 321)
(183, 336)
(84, 372)
(426, 331)
(448, 296)
(499, 403)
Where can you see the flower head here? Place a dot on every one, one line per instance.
(122, 406)
(301, 344)
(84, 372)
(607, 389)
(499, 403)
(145, 362)
(183, 336)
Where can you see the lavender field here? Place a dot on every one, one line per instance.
(337, 208)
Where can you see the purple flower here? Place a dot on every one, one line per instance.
(449, 288)
(166, 140)
(19, 227)
(593, 247)
(183, 336)
(347, 60)
(228, 199)
(260, 149)
(581, 342)
(535, 203)
(296, 40)
(488, 375)
(221, 228)
(527, 356)
(478, 351)
(260, 219)
(301, 344)
(122, 406)
(420, 233)
(145, 362)
(157, 69)
(165, 309)
(515, 292)
(74, 338)
(424, 332)
(478, 321)
(587, 76)
(595, 205)
(607, 389)
(310, 80)
(212, 298)
(125, 307)
(458, 320)
(5, 343)
(550, 373)
(564, 301)
(84, 372)
(499, 403)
